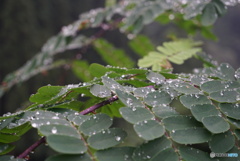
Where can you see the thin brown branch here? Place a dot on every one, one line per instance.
(32, 148)
(94, 107)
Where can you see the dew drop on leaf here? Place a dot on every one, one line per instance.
(118, 138)
(54, 130)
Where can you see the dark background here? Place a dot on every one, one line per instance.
(25, 25)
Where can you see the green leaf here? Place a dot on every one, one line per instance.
(184, 87)
(192, 154)
(138, 24)
(47, 130)
(118, 154)
(212, 86)
(226, 96)
(231, 110)
(100, 91)
(6, 148)
(174, 123)
(5, 122)
(190, 100)
(45, 93)
(107, 138)
(111, 55)
(151, 149)
(109, 3)
(80, 68)
(66, 144)
(204, 110)
(128, 99)
(66, 157)
(97, 70)
(227, 72)
(175, 51)
(157, 98)
(220, 7)
(8, 138)
(152, 59)
(142, 91)
(39, 122)
(191, 135)
(149, 129)
(95, 124)
(234, 123)
(78, 119)
(135, 115)
(98, 19)
(166, 155)
(111, 83)
(221, 143)
(155, 77)
(162, 111)
(215, 124)
(141, 45)
(209, 15)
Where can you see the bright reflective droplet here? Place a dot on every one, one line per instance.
(118, 138)
(34, 125)
(54, 130)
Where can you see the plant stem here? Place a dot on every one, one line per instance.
(94, 107)
(32, 147)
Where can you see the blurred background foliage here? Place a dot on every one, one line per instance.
(25, 25)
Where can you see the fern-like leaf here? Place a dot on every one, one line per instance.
(175, 51)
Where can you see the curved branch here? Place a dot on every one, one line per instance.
(32, 147)
(94, 107)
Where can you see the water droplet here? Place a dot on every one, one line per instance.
(54, 130)
(129, 102)
(55, 117)
(118, 138)
(34, 125)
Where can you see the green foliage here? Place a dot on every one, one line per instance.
(149, 108)
(175, 52)
(111, 55)
(174, 115)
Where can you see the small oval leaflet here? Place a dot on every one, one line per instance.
(100, 91)
(221, 143)
(231, 110)
(188, 153)
(163, 111)
(151, 148)
(107, 138)
(137, 115)
(215, 124)
(178, 122)
(194, 99)
(95, 124)
(191, 135)
(66, 144)
(155, 77)
(157, 98)
(59, 130)
(149, 129)
(129, 99)
(118, 153)
(200, 111)
(228, 96)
